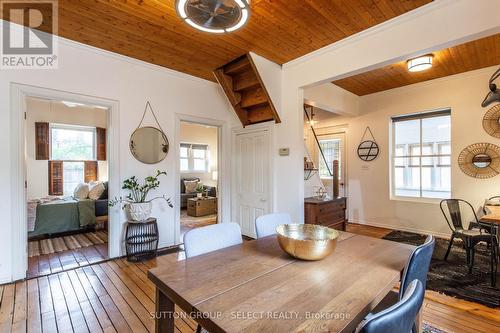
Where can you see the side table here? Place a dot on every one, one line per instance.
(141, 240)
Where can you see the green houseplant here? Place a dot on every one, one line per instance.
(136, 202)
(199, 190)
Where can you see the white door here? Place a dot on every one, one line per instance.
(252, 176)
(333, 148)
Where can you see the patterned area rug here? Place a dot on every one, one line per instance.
(195, 222)
(426, 328)
(59, 244)
(452, 277)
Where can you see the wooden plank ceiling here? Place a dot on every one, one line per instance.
(476, 54)
(280, 30)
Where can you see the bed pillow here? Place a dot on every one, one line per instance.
(95, 190)
(81, 191)
(191, 185)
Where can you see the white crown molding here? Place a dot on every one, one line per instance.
(411, 15)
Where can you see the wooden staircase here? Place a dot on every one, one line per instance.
(246, 92)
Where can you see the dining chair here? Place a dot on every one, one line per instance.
(265, 225)
(470, 237)
(211, 238)
(400, 317)
(416, 268)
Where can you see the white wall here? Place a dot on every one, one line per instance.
(40, 110)
(201, 134)
(369, 185)
(89, 71)
(332, 98)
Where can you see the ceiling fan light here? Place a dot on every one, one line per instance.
(180, 8)
(420, 64)
(199, 27)
(242, 3)
(244, 18)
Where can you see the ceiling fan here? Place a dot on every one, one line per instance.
(494, 94)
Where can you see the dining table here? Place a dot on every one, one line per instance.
(257, 287)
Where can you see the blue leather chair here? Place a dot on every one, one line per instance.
(400, 317)
(416, 269)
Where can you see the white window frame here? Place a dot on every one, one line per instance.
(191, 158)
(74, 128)
(437, 157)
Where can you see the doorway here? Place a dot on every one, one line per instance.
(23, 139)
(66, 184)
(199, 175)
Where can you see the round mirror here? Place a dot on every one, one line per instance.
(368, 150)
(149, 145)
(481, 160)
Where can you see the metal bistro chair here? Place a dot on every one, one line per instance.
(265, 225)
(211, 238)
(471, 237)
(400, 317)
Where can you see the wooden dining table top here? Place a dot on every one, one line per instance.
(256, 287)
(493, 216)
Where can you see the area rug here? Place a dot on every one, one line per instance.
(452, 277)
(59, 244)
(195, 222)
(427, 328)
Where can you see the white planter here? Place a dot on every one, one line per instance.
(199, 195)
(139, 212)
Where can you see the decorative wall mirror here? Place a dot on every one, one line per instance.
(368, 149)
(491, 121)
(149, 144)
(480, 160)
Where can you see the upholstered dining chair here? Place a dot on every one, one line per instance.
(416, 268)
(265, 225)
(470, 237)
(211, 238)
(400, 317)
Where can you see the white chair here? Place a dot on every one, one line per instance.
(211, 238)
(265, 225)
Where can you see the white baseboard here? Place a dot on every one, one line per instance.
(401, 228)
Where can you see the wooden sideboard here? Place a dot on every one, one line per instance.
(329, 213)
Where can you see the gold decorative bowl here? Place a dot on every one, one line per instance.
(307, 241)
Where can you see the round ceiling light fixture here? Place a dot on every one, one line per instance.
(214, 16)
(420, 64)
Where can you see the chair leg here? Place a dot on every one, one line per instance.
(198, 329)
(449, 247)
(472, 254)
(494, 265)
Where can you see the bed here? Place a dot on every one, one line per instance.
(67, 215)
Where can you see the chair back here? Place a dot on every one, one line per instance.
(400, 317)
(211, 238)
(418, 265)
(454, 219)
(265, 225)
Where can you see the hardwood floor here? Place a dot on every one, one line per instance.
(116, 296)
(62, 253)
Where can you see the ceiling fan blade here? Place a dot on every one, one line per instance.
(493, 96)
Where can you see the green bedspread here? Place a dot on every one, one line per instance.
(63, 215)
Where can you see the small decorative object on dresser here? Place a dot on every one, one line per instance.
(136, 203)
(326, 212)
(141, 240)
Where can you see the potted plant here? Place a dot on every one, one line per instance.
(199, 190)
(136, 203)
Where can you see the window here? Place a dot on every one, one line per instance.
(421, 155)
(194, 158)
(72, 143)
(331, 150)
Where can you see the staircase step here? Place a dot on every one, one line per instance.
(238, 66)
(245, 80)
(254, 97)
